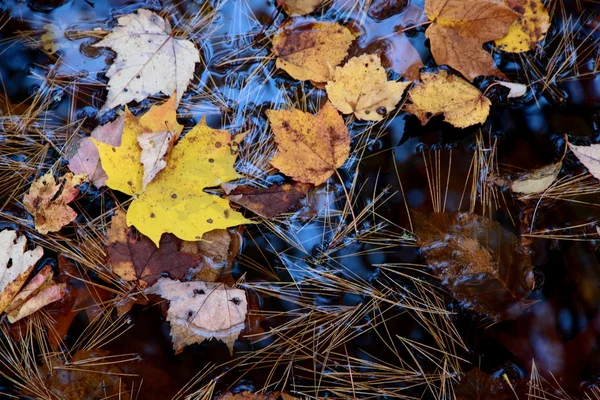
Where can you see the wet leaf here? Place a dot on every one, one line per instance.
(383, 9)
(299, 7)
(310, 147)
(155, 147)
(482, 264)
(150, 60)
(516, 90)
(589, 156)
(477, 385)
(536, 181)
(51, 212)
(174, 201)
(16, 264)
(218, 248)
(53, 39)
(134, 257)
(309, 50)
(199, 311)
(37, 294)
(461, 103)
(86, 159)
(268, 202)
(361, 87)
(529, 29)
(460, 28)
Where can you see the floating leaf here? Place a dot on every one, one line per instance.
(516, 90)
(175, 201)
(529, 29)
(309, 50)
(150, 60)
(199, 311)
(268, 202)
(482, 264)
(589, 156)
(460, 28)
(461, 103)
(361, 87)
(310, 147)
(51, 212)
(536, 181)
(155, 147)
(15, 265)
(299, 7)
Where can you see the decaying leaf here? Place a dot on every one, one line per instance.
(155, 147)
(218, 248)
(174, 201)
(16, 263)
(589, 156)
(86, 159)
(299, 7)
(199, 311)
(477, 385)
(268, 202)
(37, 294)
(150, 60)
(361, 87)
(483, 265)
(134, 257)
(516, 90)
(461, 103)
(536, 181)
(310, 147)
(460, 28)
(51, 212)
(53, 39)
(309, 50)
(529, 29)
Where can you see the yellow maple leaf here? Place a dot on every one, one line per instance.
(461, 103)
(527, 31)
(311, 147)
(174, 201)
(309, 50)
(361, 87)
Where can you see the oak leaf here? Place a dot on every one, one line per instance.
(199, 311)
(268, 202)
(536, 181)
(16, 265)
(134, 257)
(86, 159)
(175, 201)
(309, 50)
(460, 28)
(529, 29)
(310, 147)
(299, 7)
(461, 103)
(52, 212)
(361, 87)
(483, 265)
(589, 156)
(150, 60)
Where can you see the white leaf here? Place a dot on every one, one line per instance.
(589, 156)
(149, 60)
(155, 147)
(536, 181)
(516, 89)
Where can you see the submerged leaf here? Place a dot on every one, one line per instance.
(199, 311)
(589, 156)
(529, 29)
(51, 212)
(477, 385)
(361, 87)
(482, 264)
(150, 60)
(461, 103)
(268, 202)
(309, 50)
(310, 147)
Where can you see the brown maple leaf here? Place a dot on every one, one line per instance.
(460, 28)
(268, 202)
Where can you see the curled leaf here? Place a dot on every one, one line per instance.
(268, 202)
(516, 90)
(589, 156)
(536, 181)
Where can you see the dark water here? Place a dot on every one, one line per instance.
(559, 331)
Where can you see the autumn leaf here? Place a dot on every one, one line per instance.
(299, 7)
(309, 50)
(589, 156)
(51, 212)
(529, 29)
(483, 265)
(460, 28)
(218, 248)
(199, 311)
(16, 264)
(515, 90)
(361, 87)
(134, 257)
(150, 60)
(310, 147)
(268, 202)
(461, 103)
(86, 159)
(155, 147)
(536, 181)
